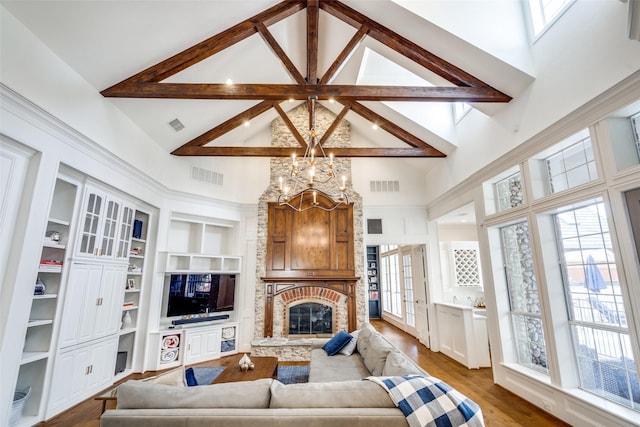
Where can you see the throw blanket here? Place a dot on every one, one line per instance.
(427, 401)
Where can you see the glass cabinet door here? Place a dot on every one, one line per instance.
(124, 237)
(88, 242)
(110, 228)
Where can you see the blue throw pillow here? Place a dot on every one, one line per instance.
(190, 377)
(335, 344)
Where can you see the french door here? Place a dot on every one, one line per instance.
(403, 288)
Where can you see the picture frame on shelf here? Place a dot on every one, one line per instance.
(131, 284)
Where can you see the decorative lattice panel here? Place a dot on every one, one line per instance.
(466, 267)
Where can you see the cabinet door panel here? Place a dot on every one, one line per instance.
(195, 342)
(69, 379)
(111, 295)
(102, 362)
(80, 303)
(212, 344)
(125, 232)
(91, 227)
(110, 227)
(90, 304)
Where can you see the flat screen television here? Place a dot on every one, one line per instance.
(200, 293)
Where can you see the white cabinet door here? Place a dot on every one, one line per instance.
(69, 380)
(211, 344)
(195, 343)
(105, 226)
(78, 317)
(102, 366)
(202, 344)
(93, 303)
(111, 216)
(107, 318)
(81, 372)
(125, 232)
(91, 223)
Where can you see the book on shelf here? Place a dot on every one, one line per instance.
(128, 304)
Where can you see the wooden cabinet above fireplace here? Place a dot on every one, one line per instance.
(310, 245)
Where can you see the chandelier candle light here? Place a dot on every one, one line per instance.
(300, 192)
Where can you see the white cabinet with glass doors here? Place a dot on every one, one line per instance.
(105, 226)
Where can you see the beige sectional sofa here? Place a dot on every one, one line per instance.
(335, 395)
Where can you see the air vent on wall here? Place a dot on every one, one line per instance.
(374, 226)
(206, 175)
(384, 186)
(176, 125)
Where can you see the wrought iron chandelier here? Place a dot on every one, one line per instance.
(312, 176)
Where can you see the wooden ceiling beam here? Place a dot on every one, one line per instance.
(292, 128)
(402, 45)
(214, 44)
(280, 53)
(392, 128)
(229, 125)
(313, 14)
(284, 91)
(327, 134)
(344, 55)
(361, 152)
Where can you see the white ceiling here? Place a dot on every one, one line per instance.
(108, 41)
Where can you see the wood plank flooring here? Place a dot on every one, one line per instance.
(499, 406)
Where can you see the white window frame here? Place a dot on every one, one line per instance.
(540, 20)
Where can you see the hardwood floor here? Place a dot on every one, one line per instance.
(499, 406)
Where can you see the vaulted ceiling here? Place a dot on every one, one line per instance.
(157, 61)
(151, 82)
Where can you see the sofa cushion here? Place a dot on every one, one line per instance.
(174, 377)
(397, 364)
(376, 354)
(363, 339)
(348, 349)
(325, 368)
(339, 394)
(339, 340)
(243, 394)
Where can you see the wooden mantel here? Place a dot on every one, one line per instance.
(313, 248)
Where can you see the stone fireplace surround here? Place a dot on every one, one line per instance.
(348, 297)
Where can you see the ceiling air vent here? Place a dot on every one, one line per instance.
(176, 125)
(384, 186)
(206, 175)
(374, 226)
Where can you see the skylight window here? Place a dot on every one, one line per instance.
(460, 109)
(545, 12)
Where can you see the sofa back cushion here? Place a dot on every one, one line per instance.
(339, 394)
(175, 377)
(362, 343)
(397, 364)
(243, 394)
(376, 354)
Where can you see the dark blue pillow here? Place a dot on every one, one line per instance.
(335, 344)
(190, 377)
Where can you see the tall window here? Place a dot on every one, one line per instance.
(595, 304)
(523, 296)
(544, 12)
